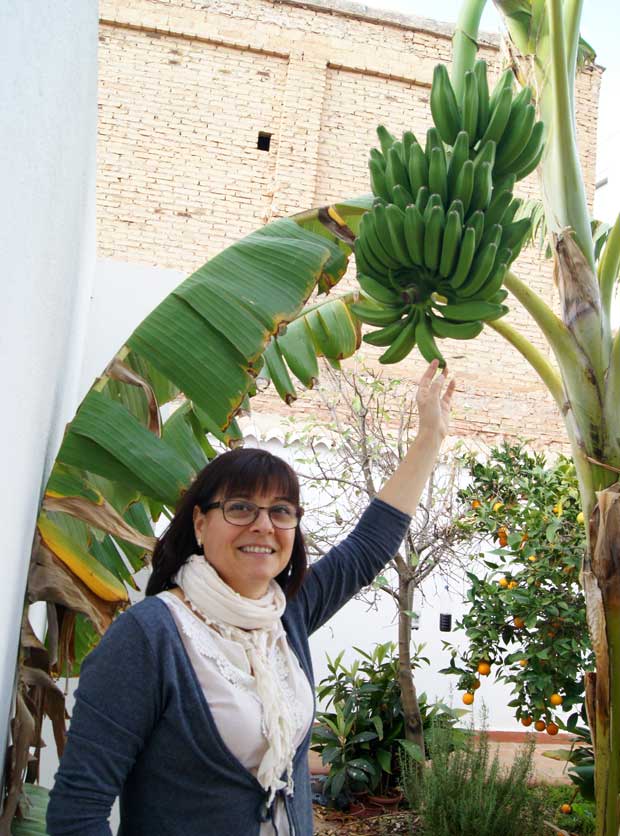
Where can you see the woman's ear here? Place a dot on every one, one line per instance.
(198, 518)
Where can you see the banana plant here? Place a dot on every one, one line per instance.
(240, 320)
(585, 382)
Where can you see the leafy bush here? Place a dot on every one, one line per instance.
(464, 792)
(526, 613)
(360, 733)
(581, 818)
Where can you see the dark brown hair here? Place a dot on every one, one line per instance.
(239, 472)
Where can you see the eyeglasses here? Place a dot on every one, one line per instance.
(243, 512)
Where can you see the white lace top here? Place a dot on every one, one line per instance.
(224, 674)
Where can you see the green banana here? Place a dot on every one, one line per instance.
(433, 201)
(433, 140)
(386, 140)
(504, 82)
(486, 154)
(364, 265)
(492, 234)
(377, 180)
(378, 270)
(402, 197)
(457, 206)
(469, 311)
(460, 153)
(480, 72)
(511, 211)
(373, 314)
(379, 216)
(438, 175)
(466, 256)
(490, 289)
(455, 330)
(516, 136)
(464, 185)
(395, 170)
(499, 117)
(426, 342)
(377, 291)
(444, 107)
(413, 227)
(480, 271)
(515, 235)
(370, 235)
(386, 335)
(407, 143)
(421, 199)
(402, 344)
(483, 187)
(531, 155)
(470, 104)
(498, 297)
(417, 168)
(476, 222)
(451, 241)
(433, 235)
(395, 218)
(497, 207)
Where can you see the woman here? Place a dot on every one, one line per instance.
(197, 705)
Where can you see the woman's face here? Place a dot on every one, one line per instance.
(245, 557)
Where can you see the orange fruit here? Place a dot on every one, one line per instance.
(468, 698)
(475, 503)
(518, 622)
(532, 558)
(552, 729)
(497, 506)
(526, 721)
(476, 685)
(580, 518)
(540, 725)
(503, 582)
(556, 699)
(566, 809)
(523, 662)
(484, 669)
(513, 585)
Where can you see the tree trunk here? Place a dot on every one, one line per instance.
(414, 731)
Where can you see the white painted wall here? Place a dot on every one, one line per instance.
(48, 113)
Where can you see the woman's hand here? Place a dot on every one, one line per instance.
(433, 402)
(404, 488)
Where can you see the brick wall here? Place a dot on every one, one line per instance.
(185, 88)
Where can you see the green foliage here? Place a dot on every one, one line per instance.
(580, 821)
(464, 792)
(526, 612)
(360, 733)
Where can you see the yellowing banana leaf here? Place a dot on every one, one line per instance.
(99, 580)
(109, 556)
(137, 391)
(106, 439)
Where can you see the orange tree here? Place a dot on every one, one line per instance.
(526, 613)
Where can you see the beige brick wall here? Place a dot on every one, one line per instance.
(185, 88)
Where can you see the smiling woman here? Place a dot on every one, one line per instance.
(197, 705)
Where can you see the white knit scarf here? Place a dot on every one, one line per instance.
(255, 625)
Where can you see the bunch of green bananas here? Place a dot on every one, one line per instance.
(433, 251)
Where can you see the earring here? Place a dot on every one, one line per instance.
(199, 540)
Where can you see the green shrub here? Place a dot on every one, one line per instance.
(464, 792)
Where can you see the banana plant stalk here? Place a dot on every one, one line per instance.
(546, 43)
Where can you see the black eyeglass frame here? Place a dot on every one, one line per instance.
(220, 504)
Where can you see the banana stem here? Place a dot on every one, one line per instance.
(535, 358)
(465, 42)
(563, 186)
(557, 334)
(572, 18)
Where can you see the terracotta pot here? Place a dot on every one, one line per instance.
(392, 800)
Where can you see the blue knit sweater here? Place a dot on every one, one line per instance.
(141, 727)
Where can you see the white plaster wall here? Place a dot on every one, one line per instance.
(48, 113)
